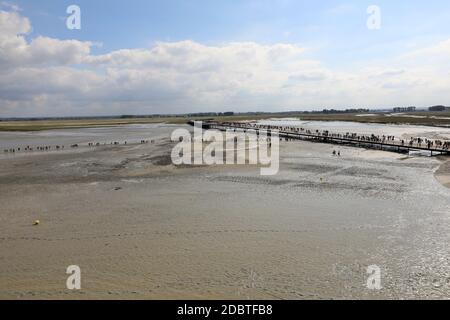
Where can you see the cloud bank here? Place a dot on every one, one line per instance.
(51, 77)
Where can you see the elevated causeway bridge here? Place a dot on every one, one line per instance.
(433, 147)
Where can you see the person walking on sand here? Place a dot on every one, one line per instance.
(334, 152)
(339, 153)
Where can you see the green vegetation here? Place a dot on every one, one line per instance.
(39, 125)
(417, 118)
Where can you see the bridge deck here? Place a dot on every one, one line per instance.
(390, 146)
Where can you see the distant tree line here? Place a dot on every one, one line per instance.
(438, 108)
(211, 114)
(326, 111)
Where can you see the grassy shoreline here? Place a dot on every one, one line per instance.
(436, 119)
(382, 119)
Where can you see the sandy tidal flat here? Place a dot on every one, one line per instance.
(140, 228)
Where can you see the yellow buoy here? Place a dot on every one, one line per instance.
(36, 222)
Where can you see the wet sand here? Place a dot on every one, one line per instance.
(443, 173)
(140, 228)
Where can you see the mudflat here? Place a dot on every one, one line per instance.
(141, 228)
(443, 173)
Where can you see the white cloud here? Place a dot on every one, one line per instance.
(16, 52)
(48, 76)
(9, 6)
(12, 24)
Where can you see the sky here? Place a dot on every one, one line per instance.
(148, 57)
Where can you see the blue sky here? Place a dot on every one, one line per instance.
(336, 30)
(332, 34)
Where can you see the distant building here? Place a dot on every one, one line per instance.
(438, 108)
(405, 109)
